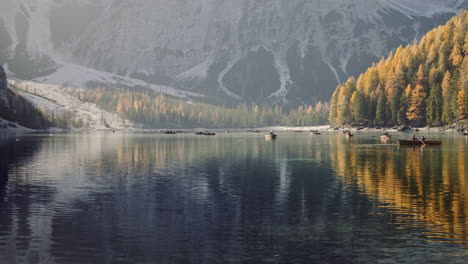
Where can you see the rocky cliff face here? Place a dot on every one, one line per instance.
(3, 79)
(17, 110)
(7, 104)
(3, 88)
(269, 51)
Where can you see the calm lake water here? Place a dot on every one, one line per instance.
(232, 198)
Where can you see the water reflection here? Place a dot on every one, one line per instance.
(420, 186)
(128, 198)
(21, 205)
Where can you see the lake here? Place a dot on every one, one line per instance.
(232, 198)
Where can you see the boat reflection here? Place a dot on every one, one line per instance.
(423, 188)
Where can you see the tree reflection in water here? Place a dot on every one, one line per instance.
(104, 198)
(420, 186)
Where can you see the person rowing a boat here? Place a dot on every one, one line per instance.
(414, 137)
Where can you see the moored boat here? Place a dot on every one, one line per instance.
(418, 142)
(315, 132)
(205, 133)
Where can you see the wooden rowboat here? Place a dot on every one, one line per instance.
(418, 142)
(385, 137)
(205, 133)
(270, 136)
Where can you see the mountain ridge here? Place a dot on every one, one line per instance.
(269, 52)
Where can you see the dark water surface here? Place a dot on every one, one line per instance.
(232, 198)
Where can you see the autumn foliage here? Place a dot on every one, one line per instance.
(421, 84)
(156, 110)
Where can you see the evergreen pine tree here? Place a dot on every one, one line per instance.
(358, 106)
(402, 119)
(381, 112)
(434, 106)
(394, 86)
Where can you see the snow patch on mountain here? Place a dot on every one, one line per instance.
(427, 7)
(58, 99)
(199, 45)
(221, 86)
(400, 5)
(198, 72)
(279, 96)
(73, 75)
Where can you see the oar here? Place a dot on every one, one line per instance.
(422, 142)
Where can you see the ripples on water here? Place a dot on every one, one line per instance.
(236, 198)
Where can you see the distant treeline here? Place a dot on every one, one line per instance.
(422, 84)
(156, 110)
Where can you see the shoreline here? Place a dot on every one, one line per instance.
(5, 127)
(220, 130)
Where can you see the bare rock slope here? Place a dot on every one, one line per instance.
(269, 51)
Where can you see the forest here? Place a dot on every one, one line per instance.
(156, 110)
(422, 84)
(16, 109)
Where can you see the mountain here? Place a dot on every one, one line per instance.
(3, 79)
(17, 113)
(3, 87)
(26, 105)
(422, 84)
(221, 51)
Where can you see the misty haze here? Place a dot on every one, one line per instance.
(233, 131)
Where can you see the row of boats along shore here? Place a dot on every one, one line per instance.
(385, 138)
